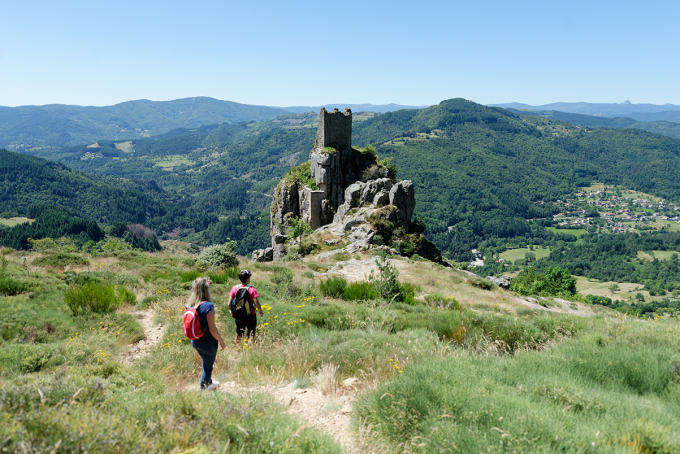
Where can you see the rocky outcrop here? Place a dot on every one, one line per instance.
(328, 193)
(503, 281)
(263, 255)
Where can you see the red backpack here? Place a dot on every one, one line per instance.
(192, 325)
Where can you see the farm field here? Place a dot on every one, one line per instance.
(170, 162)
(576, 232)
(516, 254)
(626, 290)
(651, 255)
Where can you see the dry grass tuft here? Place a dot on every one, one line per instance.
(326, 378)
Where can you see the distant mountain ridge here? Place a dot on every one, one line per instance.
(381, 108)
(59, 125)
(639, 112)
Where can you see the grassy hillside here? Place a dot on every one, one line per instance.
(481, 370)
(58, 125)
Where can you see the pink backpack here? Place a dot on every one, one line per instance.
(192, 326)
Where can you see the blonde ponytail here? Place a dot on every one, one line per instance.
(200, 291)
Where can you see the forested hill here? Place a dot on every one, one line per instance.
(27, 180)
(480, 172)
(665, 128)
(59, 125)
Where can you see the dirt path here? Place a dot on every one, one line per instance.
(329, 414)
(153, 333)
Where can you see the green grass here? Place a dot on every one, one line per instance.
(111, 409)
(447, 363)
(516, 254)
(576, 232)
(651, 255)
(11, 222)
(605, 393)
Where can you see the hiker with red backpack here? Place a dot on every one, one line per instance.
(199, 326)
(243, 300)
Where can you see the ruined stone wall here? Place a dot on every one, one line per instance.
(335, 129)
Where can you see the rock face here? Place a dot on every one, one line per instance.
(360, 213)
(503, 281)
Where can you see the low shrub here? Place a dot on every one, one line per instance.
(219, 256)
(480, 283)
(97, 297)
(61, 260)
(333, 287)
(442, 302)
(217, 277)
(10, 286)
(360, 291)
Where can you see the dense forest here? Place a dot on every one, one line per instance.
(50, 222)
(26, 180)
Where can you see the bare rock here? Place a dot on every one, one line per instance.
(502, 281)
(263, 255)
(403, 197)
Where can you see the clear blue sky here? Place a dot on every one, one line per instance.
(284, 53)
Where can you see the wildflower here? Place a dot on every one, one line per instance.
(117, 332)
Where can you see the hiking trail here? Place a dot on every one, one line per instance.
(326, 413)
(153, 333)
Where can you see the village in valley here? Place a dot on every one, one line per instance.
(611, 208)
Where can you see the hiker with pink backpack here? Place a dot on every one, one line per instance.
(243, 300)
(199, 326)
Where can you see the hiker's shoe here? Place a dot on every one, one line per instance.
(213, 385)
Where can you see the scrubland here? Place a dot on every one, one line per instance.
(458, 366)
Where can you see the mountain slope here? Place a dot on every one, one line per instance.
(382, 108)
(480, 172)
(625, 109)
(665, 128)
(60, 125)
(27, 180)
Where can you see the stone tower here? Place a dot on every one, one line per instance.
(335, 129)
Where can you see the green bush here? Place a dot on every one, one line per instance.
(95, 297)
(360, 291)
(481, 283)
(8, 285)
(219, 256)
(333, 287)
(61, 259)
(555, 281)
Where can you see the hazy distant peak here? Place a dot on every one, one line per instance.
(626, 102)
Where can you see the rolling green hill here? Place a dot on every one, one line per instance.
(57, 125)
(663, 127)
(27, 180)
